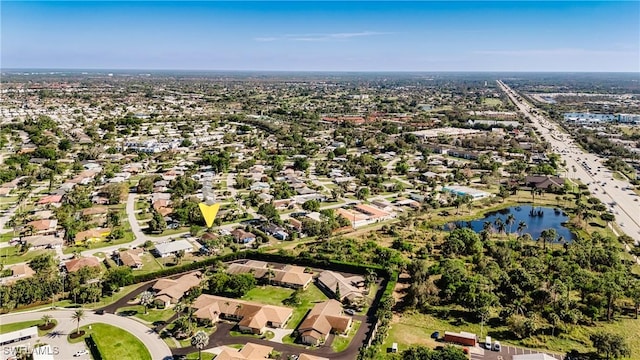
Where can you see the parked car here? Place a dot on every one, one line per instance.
(100, 312)
(350, 312)
(81, 352)
(496, 346)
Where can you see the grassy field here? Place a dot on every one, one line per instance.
(115, 343)
(9, 255)
(491, 101)
(6, 328)
(205, 356)
(151, 316)
(340, 343)
(413, 328)
(272, 295)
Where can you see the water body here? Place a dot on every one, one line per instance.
(543, 218)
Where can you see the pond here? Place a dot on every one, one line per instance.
(542, 218)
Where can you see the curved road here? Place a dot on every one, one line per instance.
(156, 346)
(139, 236)
(600, 181)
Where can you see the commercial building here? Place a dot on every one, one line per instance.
(463, 190)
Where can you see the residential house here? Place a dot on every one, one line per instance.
(131, 258)
(249, 351)
(311, 357)
(323, 319)
(252, 317)
(241, 236)
(275, 231)
(289, 276)
(91, 235)
(350, 288)
(43, 226)
(544, 182)
(18, 271)
(50, 200)
(77, 264)
(43, 241)
(170, 248)
(169, 291)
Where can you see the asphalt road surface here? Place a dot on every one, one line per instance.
(156, 346)
(589, 168)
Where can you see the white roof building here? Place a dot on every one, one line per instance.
(168, 248)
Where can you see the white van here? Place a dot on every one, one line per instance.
(496, 346)
(487, 342)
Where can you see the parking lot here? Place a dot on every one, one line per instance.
(507, 353)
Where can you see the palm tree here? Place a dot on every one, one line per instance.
(510, 221)
(546, 236)
(521, 226)
(200, 340)
(46, 318)
(146, 299)
(179, 255)
(270, 274)
(500, 226)
(78, 316)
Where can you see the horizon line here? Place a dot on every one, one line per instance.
(320, 71)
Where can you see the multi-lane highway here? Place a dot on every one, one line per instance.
(589, 168)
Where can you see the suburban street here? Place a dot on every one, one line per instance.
(588, 168)
(58, 337)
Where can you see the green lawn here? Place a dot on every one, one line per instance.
(115, 343)
(151, 316)
(6, 328)
(9, 255)
(149, 264)
(205, 356)
(128, 237)
(6, 236)
(340, 343)
(413, 328)
(180, 230)
(492, 101)
(272, 295)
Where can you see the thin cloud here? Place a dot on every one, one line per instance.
(323, 37)
(549, 52)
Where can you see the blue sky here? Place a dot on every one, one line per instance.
(323, 36)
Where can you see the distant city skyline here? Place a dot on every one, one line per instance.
(545, 36)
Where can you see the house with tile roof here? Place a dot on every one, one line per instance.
(77, 264)
(251, 317)
(131, 258)
(169, 291)
(92, 235)
(249, 351)
(351, 288)
(323, 319)
(289, 276)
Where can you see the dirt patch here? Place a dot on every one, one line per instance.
(44, 327)
(401, 287)
(75, 335)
